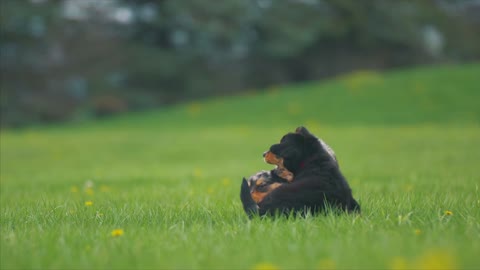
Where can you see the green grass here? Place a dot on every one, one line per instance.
(407, 141)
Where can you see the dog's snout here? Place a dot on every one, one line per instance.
(265, 153)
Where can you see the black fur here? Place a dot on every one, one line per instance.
(318, 181)
(249, 205)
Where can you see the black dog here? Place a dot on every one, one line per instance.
(318, 181)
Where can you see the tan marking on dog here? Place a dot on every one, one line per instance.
(258, 196)
(281, 171)
(284, 173)
(271, 158)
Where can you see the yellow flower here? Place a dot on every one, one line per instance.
(327, 264)
(399, 263)
(197, 173)
(360, 80)
(294, 108)
(312, 124)
(226, 182)
(74, 189)
(433, 259)
(273, 91)
(89, 191)
(104, 188)
(417, 231)
(436, 259)
(194, 108)
(408, 187)
(117, 232)
(448, 213)
(265, 266)
(88, 203)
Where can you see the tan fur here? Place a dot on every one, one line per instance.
(257, 195)
(281, 171)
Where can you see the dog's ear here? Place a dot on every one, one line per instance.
(245, 180)
(303, 131)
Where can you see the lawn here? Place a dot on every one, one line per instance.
(160, 189)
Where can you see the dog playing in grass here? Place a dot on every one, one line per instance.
(307, 178)
(264, 182)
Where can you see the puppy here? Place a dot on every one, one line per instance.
(317, 181)
(262, 183)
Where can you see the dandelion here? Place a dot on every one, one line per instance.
(197, 173)
(210, 190)
(435, 259)
(399, 263)
(312, 124)
(194, 109)
(243, 130)
(273, 91)
(419, 88)
(417, 231)
(408, 187)
(265, 266)
(327, 264)
(448, 213)
(88, 203)
(74, 189)
(226, 182)
(104, 188)
(359, 80)
(117, 232)
(89, 191)
(294, 109)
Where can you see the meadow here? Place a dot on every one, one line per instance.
(160, 189)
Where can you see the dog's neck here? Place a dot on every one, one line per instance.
(306, 161)
(316, 162)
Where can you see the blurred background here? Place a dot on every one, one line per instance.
(71, 60)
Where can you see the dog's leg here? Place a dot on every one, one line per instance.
(297, 196)
(249, 205)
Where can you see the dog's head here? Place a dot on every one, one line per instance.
(294, 148)
(261, 184)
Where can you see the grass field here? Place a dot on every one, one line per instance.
(160, 189)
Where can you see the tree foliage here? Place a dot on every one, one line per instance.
(66, 59)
